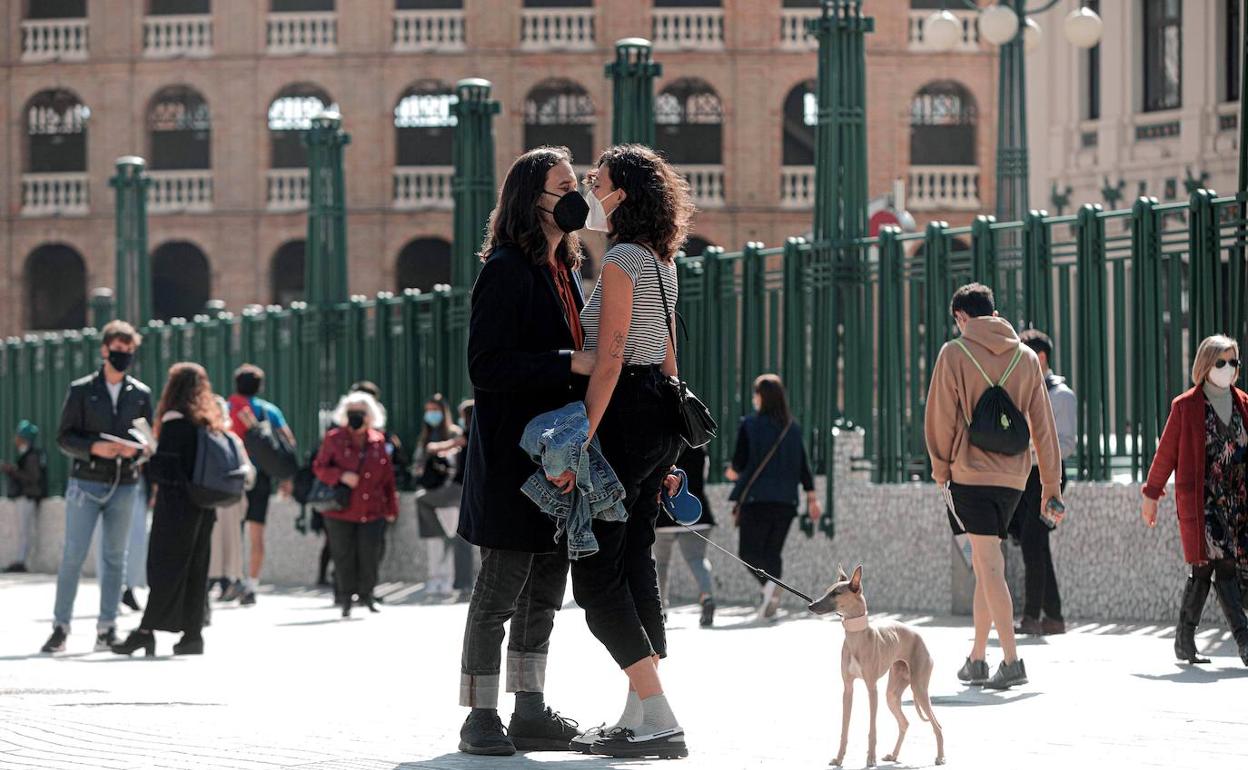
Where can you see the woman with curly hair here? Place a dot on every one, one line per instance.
(179, 547)
(645, 208)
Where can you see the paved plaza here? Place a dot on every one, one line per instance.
(287, 684)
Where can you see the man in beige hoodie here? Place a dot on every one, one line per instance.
(982, 488)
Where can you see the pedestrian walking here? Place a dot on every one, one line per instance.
(178, 549)
(1039, 578)
(28, 486)
(1205, 444)
(524, 340)
(768, 464)
(644, 205)
(438, 496)
(225, 562)
(354, 454)
(986, 406)
(668, 536)
(98, 409)
(400, 460)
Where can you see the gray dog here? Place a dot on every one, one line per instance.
(869, 652)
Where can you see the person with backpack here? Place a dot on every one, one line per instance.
(187, 420)
(28, 486)
(986, 407)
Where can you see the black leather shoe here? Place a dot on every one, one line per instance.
(137, 640)
(549, 732)
(189, 645)
(1194, 595)
(483, 734)
(127, 598)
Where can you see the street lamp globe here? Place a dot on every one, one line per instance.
(942, 31)
(1083, 27)
(998, 24)
(1032, 35)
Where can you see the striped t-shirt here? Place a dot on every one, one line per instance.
(648, 331)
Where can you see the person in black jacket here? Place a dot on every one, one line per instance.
(524, 337)
(102, 479)
(28, 485)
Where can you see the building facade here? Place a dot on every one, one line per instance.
(213, 93)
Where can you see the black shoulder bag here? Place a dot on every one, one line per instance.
(692, 419)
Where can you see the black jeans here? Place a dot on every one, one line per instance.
(619, 586)
(528, 589)
(356, 549)
(1040, 590)
(764, 528)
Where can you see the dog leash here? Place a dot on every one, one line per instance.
(758, 573)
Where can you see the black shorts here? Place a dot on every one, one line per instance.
(982, 510)
(258, 499)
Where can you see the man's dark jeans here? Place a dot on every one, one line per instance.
(1040, 580)
(528, 589)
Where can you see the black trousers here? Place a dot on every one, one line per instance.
(356, 549)
(1040, 591)
(178, 552)
(764, 528)
(619, 585)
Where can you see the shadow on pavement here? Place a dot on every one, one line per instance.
(977, 697)
(1189, 674)
(460, 761)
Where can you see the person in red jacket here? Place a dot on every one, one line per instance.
(354, 454)
(1205, 444)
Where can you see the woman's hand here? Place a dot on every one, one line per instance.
(731, 474)
(813, 509)
(565, 481)
(1149, 512)
(671, 483)
(350, 478)
(583, 362)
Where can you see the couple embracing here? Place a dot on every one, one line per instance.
(534, 346)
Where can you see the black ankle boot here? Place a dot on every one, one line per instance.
(189, 644)
(137, 640)
(1232, 603)
(1194, 595)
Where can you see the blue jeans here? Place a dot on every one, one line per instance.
(136, 545)
(86, 501)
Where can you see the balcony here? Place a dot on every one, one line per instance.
(175, 192)
(797, 187)
(682, 29)
(287, 189)
(170, 36)
(706, 182)
(54, 40)
(291, 34)
(793, 36)
(54, 195)
(943, 188)
(423, 187)
(428, 31)
(557, 29)
(970, 31)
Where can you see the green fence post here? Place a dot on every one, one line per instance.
(102, 310)
(632, 87)
(889, 439)
(1093, 329)
(1037, 272)
(795, 366)
(753, 321)
(1206, 290)
(984, 267)
(1149, 380)
(473, 184)
(133, 274)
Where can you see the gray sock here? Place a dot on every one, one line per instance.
(530, 705)
(632, 715)
(656, 715)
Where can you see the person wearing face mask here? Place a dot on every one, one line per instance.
(1205, 444)
(103, 478)
(437, 493)
(28, 485)
(354, 454)
(524, 359)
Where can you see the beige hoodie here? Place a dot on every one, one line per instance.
(951, 399)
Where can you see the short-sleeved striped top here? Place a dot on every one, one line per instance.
(648, 331)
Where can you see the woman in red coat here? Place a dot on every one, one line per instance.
(354, 454)
(1205, 444)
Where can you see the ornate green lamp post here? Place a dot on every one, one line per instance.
(473, 186)
(632, 75)
(133, 282)
(325, 271)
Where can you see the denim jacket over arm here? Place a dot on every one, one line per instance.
(557, 442)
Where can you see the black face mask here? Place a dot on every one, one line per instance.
(355, 420)
(120, 359)
(570, 212)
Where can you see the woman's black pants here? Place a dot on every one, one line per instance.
(764, 528)
(356, 549)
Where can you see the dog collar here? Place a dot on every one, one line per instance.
(855, 624)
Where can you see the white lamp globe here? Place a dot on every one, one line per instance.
(998, 24)
(1032, 36)
(942, 31)
(1083, 28)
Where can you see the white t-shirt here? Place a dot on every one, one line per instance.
(114, 392)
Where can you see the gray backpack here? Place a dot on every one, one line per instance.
(219, 471)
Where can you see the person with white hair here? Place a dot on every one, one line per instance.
(353, 458)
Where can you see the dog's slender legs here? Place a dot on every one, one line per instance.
(847, 703)
(983, 621)
(989, 565)
(923, 704)
(873, 704)
(898, 681)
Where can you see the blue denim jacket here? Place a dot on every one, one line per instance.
(556, 441)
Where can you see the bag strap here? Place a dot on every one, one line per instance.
(745, 491)
(1018, 355)
(667, 312)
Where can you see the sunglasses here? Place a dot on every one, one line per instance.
(1233, 363)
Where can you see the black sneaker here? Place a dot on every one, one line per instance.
(708, 613)
(247, 599)
(973, 672)
(483, 734)
(549, 732)
(104, 640)
(56, 642)
(624, 743)
(16, 567)
(231, 592)
(1008, 675)
(127, 598)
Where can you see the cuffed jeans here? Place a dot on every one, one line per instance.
(85, 502)
(528, 589)
(692, 548)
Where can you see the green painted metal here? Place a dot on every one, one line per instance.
(102, 308)
(1012, 153)
(1093, 363)
(632, 74)
(473, 186)
(890, 444)
(133, 268)
(325, 272)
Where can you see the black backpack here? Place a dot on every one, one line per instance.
(270, 451)
(219, 475)
(996, 425)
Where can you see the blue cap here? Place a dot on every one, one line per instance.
(28, 430)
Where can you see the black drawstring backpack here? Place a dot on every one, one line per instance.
(996, 425)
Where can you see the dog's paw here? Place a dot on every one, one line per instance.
(940, 760)
(836, 762)
(870, 761)
(890, 757)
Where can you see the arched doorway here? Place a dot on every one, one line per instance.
(690, 122)
(286, 273)
(179, 130)
(422, 264)
(559, 112)
(55, 278)
(181, 280)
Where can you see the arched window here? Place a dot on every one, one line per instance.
(56, 9)
(801, 115)
(178, 7)
(181, 280)
(559, 112)
(290, 114)
(180, 129)
(423, 125)
(423, 263)
(695, 246)
(286, 273)
(56, 132)
(942, 126)
(690, 120)
(56, 288)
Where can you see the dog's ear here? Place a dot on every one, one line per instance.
(855, 582)
(840, 574)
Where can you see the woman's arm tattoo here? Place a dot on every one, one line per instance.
(617, 345)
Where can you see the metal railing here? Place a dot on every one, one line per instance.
(302, 33)
(177, 35)
(177, 191)
(435, 30)
(423, 187)
(287, 189)
(557, 29)
(60, 194)
(945, 188)
(54, 40)
(688, 28)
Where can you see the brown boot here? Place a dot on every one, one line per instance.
(1052, 627)
(1029, 626)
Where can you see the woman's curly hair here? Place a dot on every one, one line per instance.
(514, 219)
(657, 207)
(189, 391)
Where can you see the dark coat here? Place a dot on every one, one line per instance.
(29, 477)
(1182, 452)
(787, 469)
(520, 366)
(88, 412)
(374, 497)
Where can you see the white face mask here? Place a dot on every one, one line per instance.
(1224, 376)
(597, 219)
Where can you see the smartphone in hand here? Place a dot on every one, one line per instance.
(1051, 511)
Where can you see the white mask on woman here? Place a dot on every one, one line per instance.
(1223, 376)
(597, 219)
